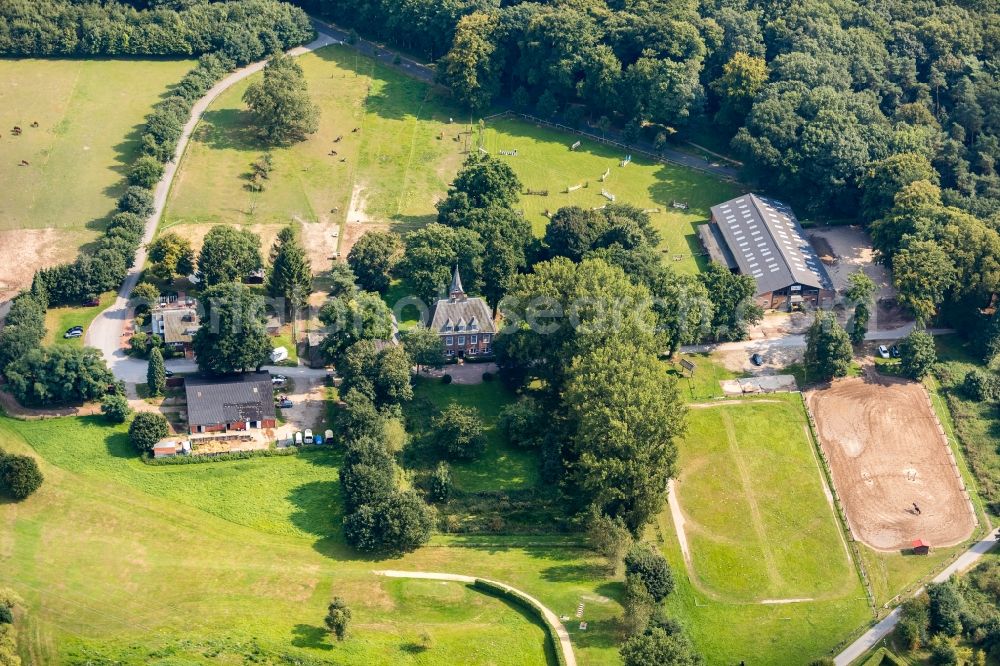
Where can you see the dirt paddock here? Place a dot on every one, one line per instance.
(886, 452)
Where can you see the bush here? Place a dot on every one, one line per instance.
(115, 408)
(521, 425)
(917, 354)
(6, 614)
(146, 429)
(440, 489)
(651, 568)
(446, 378)
(458, 433)
(58, 375)
(19, 475)
(488, 376)
(981, 386)
(396, 525)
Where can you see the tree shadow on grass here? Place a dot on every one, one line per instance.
(119, 446)
(228, 129)
(574, 573)
(318, 508)
(600, 634)
(308, 636)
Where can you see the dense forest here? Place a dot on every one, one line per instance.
(242, 30)
(887, 111)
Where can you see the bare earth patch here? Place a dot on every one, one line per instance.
(358, 221)
(887, 452)
(196, 234)
(23, 251)
(320, 240)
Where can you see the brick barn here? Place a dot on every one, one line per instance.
(241, 402)
(465, 324)
(761, 237)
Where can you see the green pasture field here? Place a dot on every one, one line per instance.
(392, 169)
(89, 115)
(750, 487)
(759, 528)
(544, 161)
(227, 562)
(501, 467)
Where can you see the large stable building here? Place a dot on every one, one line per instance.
(762, 238)
(464, 324)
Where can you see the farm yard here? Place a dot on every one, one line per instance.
(890, 463)
(88, 113)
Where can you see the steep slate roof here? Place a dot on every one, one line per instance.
(459, 315)
(246, 397)
(768, 243)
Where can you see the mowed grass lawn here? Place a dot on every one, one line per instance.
(223, 562)
(501, 466)
(545, 162)
(393, 167)
(759, 529)
(61, 319)
(89, 114)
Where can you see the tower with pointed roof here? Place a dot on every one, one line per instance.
(465, 324)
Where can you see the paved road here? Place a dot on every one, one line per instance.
(798, 341)
(872, 637)
(552, 618)
(409, 66)
(107, 330)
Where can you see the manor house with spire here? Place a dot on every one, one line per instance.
(465, 324)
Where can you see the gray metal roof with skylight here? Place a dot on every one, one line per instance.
(768, 243)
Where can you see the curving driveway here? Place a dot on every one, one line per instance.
(107, 331)
(564, 643)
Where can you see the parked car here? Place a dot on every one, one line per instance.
(75, 332)
(883, 351)
(279, 354)
(168, 373)
(894, 351)
(298, 439)
(278, 379)
(285, 403)
(308, 436)
(757, 360)
(318, 439)
(328, 435)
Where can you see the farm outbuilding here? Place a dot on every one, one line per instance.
(921, 547)
(242, 402)
(761, 237)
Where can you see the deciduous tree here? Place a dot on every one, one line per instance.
(828, 348)
(232, 337)
(373, 258)
(146, 429)
(279, 103)
(229, 254)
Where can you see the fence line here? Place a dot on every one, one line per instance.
(610, 142)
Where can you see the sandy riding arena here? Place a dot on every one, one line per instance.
(886, 453)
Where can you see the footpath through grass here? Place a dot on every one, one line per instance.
(220, 562)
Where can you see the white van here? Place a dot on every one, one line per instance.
(278, 354)
(309, 436)
(298, 439)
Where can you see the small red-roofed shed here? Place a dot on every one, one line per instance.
(921, 547)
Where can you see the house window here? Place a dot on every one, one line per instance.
(473, 338)
(449, 341)
(461, 340)
(486, 338)
(451, 352)
(488, 350)
(472, 351)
